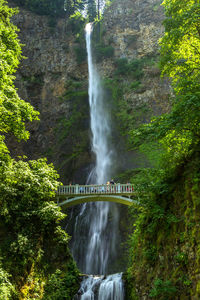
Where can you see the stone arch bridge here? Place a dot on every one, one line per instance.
(70, 195)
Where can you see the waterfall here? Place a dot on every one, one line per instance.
(101, 218)
(100, 126)
(101, 288)
(100, 243)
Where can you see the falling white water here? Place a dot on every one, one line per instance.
(99, 247)
(100, 126)
(101, 288)
(111, 288)
(102, 218)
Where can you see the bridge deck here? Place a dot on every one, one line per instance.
(111, 189)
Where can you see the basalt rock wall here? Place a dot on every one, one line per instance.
(53, 77)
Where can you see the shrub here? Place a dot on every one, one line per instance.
(80, 54)
(135, 85)
(122, 66)
(102, 51)
(132, 68)
(62, 285)
(163, 290)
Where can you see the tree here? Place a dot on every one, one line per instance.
(32, 244)
(180, 55)
(72, 6)
(91, 10)
(14, 112)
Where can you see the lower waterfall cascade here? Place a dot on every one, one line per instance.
(101, 219)
(101, 288)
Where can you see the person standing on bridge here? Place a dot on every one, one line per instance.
(108, 186)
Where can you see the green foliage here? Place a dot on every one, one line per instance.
(91, 10)
(131, 68)
(102, 51)
(76, 22)
(7, 289)
(32, 243)
(135, 85)
(180, 55)
(62, 286)
(62, 8)
(181, 258)
(168, 206)
(126, 116)
(53, 8)
(122, 66)
(150, 254)
(163, 290)
(77, 96)
(25, 190)
(81, 54)
(177, 132)
(73, 129)
(31, 221)
(74, 6)
(13, 111)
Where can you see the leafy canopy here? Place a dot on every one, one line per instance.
(14, 112)
(180, 54)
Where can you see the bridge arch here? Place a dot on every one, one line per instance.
(94, 198)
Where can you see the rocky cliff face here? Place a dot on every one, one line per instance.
(49, 78)
(133, 28)
(54, 78)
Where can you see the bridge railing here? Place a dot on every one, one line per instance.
(96, 189)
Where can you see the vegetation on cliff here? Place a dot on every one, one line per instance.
(63, 8)
(34, 258)
(165, 242)
(53, 8)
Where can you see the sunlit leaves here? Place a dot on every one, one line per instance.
(7, 290)
(180, 55)
(14, 112)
